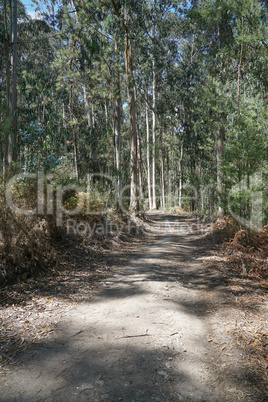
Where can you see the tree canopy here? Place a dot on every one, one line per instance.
(167, 98)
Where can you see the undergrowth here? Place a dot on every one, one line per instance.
(25, 246)
(27, 242)
(246, 249)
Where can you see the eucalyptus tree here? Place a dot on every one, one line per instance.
(124, 13)
(228, 36)
(12, 84)
(155, 50)
(97, 80)
(10, 12)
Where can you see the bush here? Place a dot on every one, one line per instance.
(24, 245)
(248, 253)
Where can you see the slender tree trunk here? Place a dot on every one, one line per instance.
(248, 188)
(154, 206)
(140, 172)
(202, 201)
(12, 136)
(173, 178)
(65, 138)
(74, 134)
(169, 189)
(219, 149)
(132, 125)
(117, 128)
(90, 122)
(192, 162)
(162, 180)
(181, 174)
(94, 153)
(193, 200)
(239, 73)
(87, 107)
(106, 115)
(7, 54)
(148, 158)
(131, 103)
(89, 113)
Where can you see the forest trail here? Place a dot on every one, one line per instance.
(148, 334)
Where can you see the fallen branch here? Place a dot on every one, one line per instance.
(133, 336)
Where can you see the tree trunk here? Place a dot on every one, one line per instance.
(89, 113)
(74, 134)
(117, 128)
(106, 116)
(65, 137)
(239, 73)
(181, 174)
(132, 125)
(219, 149)
(140, 172)
(87, 108)
(193, 176)
(5, 133)
(131, 104)
(154, 206)
(90, 122)
(12, 136)
(169, 200)
(148, 158)
(94, 153)
(162, 180)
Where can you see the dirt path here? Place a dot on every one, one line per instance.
(148, 334)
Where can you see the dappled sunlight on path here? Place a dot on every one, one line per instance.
(145, 335)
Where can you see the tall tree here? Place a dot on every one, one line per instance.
(124, 19)
(12, 85)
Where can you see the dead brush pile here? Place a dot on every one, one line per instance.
(248, 253)
(224, 228)
(25, 248)
(246, 249)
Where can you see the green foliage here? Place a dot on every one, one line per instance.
(38, 149)
(211, 74)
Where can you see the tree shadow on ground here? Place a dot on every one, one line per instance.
(174, 258)
(62, 369)
(128, 374)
